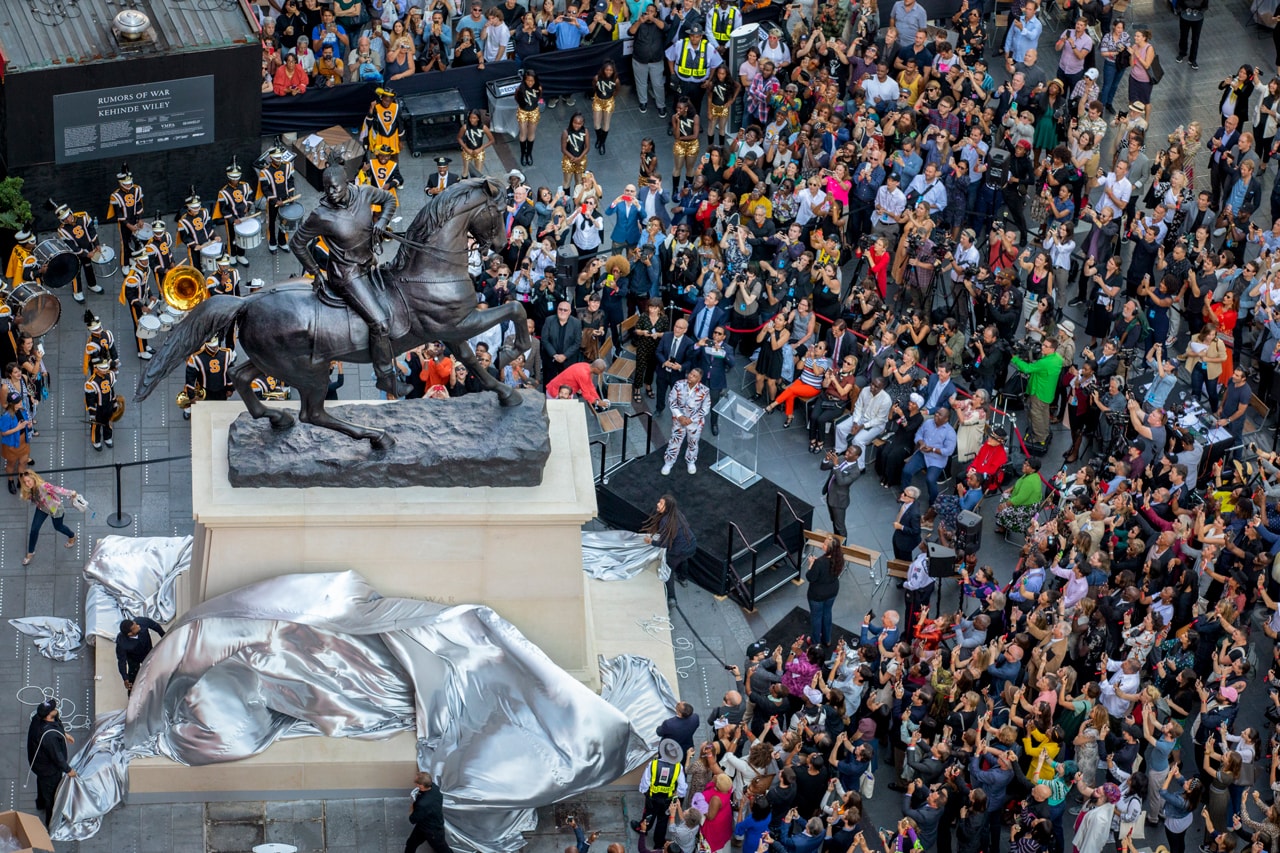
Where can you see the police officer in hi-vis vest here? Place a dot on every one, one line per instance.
(690, 62)
(663, 781)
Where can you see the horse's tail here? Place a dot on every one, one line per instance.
(205, 320)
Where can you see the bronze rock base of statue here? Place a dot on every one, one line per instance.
(465, 441)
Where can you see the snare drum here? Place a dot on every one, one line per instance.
(209, 257)
(148, 326)
(144, 234)
(248, 233)
(62, 264)
(290, 216)
(105, 261)
(37, 309)
(166, 321)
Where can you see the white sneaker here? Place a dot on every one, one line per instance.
(692, 469)
(78, 297)
(145, 355)
(666, 469)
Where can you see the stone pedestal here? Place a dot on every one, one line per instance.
(517, 550)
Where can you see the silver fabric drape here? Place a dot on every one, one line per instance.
(631, 682)
(56, 637)
(501, 727)
(130, 577)
(614, 555)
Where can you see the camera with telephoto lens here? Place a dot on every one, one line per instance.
(1027, 349)
(914, 242)
(866, 241)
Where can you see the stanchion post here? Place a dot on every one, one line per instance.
(120, 518)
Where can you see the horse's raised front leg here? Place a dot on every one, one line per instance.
(479, 321)
(242, 376)
(313, 412)
(507, 395)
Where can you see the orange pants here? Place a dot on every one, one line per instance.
(797, 389)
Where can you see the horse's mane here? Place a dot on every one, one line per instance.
(437, 211)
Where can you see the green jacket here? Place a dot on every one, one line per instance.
(1028, 490)
(1042, 375)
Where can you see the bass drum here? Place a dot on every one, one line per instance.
(61, 263)
(36, 309)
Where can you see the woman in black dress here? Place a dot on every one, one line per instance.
(772, 338)
(528, 112)
(649, 329)
(604, 93)
(1104, 291)
(893, 456)
(668, 528)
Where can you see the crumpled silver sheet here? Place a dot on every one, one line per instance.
(130, 577)
(633, 683)
(616, 555)
(500, 726)
(56, 637)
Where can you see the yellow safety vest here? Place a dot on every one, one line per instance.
(698, 70)
(663, 778)
(722, 24)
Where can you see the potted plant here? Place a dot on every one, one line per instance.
(15, 213)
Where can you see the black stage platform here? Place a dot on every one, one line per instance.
(710, 502)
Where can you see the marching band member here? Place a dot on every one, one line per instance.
(25, 248)
(235, 202)
(100, 402)
(225, 281)
(207, 375)
(101, 343)
(30, 271)
(159, 250)
(384, 125)
(270, 388)
(275, 182)
(382, 172)
(136, 296)
(195, 228)
(125, 207)
(442, 179)
(78, 232)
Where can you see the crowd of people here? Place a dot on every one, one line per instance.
(934, 253)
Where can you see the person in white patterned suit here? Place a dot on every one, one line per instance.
(690, 403)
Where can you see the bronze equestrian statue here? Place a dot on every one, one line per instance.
(292, 331)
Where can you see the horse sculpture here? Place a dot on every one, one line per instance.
(289, 333)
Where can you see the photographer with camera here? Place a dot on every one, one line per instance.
(949, 343)
(990, 360)
(1042, 386)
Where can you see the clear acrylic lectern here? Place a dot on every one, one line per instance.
(738, 446)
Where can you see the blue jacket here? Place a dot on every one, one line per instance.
(659, 205)
(627, 227)
(994, 781)
(568, 33)
(794, 839)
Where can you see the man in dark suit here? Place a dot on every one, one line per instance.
(707, 314)
(1221, 157)
(906, 527)
(561, 341)
(844, 471)
(716, 360)
(840, 342)
(682, 727)
(676, 354)
(1108, 361)
(442, 179)
(520, 212)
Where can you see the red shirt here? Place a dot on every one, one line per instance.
(578, 379)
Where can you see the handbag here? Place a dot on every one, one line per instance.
(1123, 59)
(867, 785)
(80, 503)
(1156, 71)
